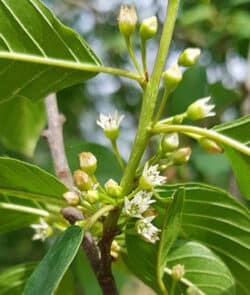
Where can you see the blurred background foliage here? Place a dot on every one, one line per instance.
(220, 28)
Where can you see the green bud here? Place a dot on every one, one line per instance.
(170, 142)
(88, 162)
(82, 180)
(181, 156)
(127, 20)
(189, 57)
(172, 77)
(210, 146)
(92, 196)
(149, 27)
(178, 272)
(113, 189)
(71, 198)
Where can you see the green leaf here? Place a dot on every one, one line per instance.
(27, 181)
(21, 124)
(38, 54)
(203, 269)
(239, 130)
(48, 274)
(107, 166)
(151, 269)
(13, 279)
(214, 218)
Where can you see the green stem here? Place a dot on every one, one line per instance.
(149, 99)
(24, 209)
(70, 65)
(132, 56)
(91, 221)
(173, 287)
(144, 57)
(162, 105)
(210, 134)
(117, 154)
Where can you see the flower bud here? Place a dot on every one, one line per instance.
(200, 109)
(88, 162)
(71, 198)
(210, 146)
(115, 248)
(127, 20)
(170, 142)
(181, 156)
(189, 57)
(82, 180)
(92, 196)
(112, 188)
(172, 77)
(178, 272)
(149, 27)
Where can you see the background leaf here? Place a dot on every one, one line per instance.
(205, 270)
(27, 181)
(150, 270)
(13, 279)
(48, 274)
(38, 54)
(239, 130)
(21, 124)
(214, 218)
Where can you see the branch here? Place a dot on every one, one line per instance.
(54, 136)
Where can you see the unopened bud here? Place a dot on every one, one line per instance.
(178, 272)
(149, 27)
(170, 142)
(181, 156)
(172, 77)
(127, 20)
(88, 162)
(112, 188)
(115, 248)
(189, 57)
(82, 180)
(210, 146)
(92, 196)
(71, 198)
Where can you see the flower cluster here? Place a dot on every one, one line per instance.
(135, 208)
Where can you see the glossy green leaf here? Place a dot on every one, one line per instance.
(21, 124)
(26, 181)
(38, 54)
(107, 166)
(203, 269)
(239, 130)
(48, 274)
(13, 279)
(151, 269)
(220, 222)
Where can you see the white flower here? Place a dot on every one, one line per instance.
(139, 204)
(151, 177)
(147, 230)
(200, 109)
(110, 124)
(42, 230)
